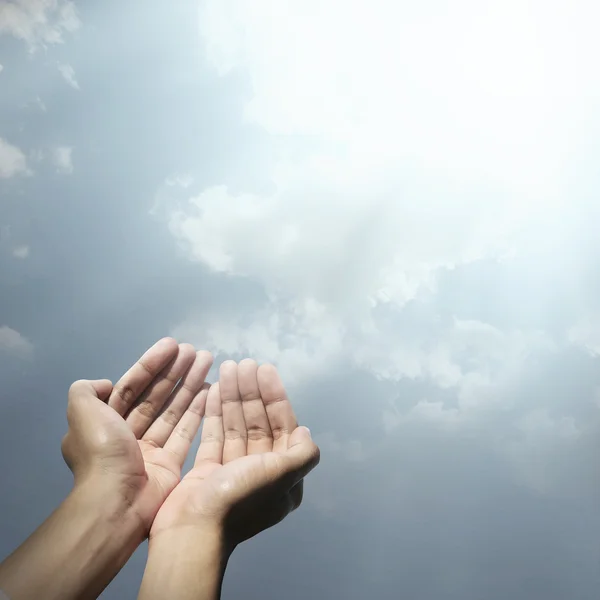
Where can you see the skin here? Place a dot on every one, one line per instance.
(125, 446)
(248, 476)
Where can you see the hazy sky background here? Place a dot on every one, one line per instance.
(396, 202)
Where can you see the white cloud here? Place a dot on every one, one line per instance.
(68, 73)
(586, 333)
(21, 252)
(182, 181)
(456, 154)
(391, 82)
(13, 343)
(63, 160)
(12, 160)
(410, 141)
(38, 22)
(412, 173)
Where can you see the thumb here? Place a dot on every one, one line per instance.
(302, 455)
(103, 388)
(100, 388)
(300, 435)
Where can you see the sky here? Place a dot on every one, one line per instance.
(394, 202)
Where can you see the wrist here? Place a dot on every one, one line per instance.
(100, 501)
(186, 562)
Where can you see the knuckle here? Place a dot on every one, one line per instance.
(252, 396)
(257, 434)
(212, 438)
(184, 433)
(170, 417)
(279, 432)
(235, 434)
(146, 409)
(126, 394)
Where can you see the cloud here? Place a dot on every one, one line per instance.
(62, 158)
(586, 333)
(411, 145)
(38, 22)
(21, 252)
(13, 343)
(384, 177)
(12, 160)
(68, 74)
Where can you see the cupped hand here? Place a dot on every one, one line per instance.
(249, 469)
(133, 438)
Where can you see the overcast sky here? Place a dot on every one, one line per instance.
(395, 202)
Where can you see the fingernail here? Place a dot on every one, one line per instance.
(308, 431)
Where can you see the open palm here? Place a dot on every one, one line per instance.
(252, 457)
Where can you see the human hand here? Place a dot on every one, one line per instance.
(125, 446)
(249, 469)
(131, 440)
(247, 477)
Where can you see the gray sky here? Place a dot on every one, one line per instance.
(396, 204)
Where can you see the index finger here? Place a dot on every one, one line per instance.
(127, 390)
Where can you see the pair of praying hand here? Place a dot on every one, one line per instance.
(126, 445)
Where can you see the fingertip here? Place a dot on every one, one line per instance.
(302, 438)
(300, 435)
(267, 369)
(214, 394)
(201, 398)
(166, 344)
(98, 387)
(248, 363)
(103, 388)
(186, 348)
(228, 373)
(205, 356)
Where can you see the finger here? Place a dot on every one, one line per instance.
(101, 388)
(260, 437)
(302, 456)
(234, 425)
(138, 378)
(179, 401)
(277, 405)
(212, 440)
(280, 472)
(185, 431)
(85, 389)
(145, 411)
